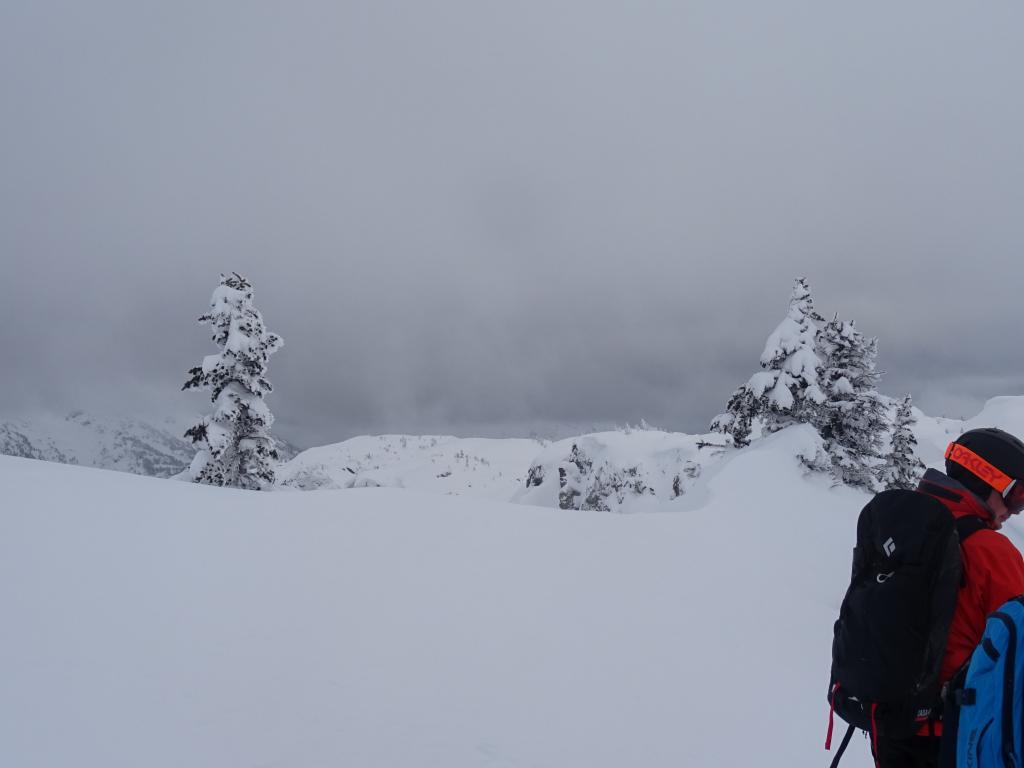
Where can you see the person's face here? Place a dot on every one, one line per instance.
(1001, 512)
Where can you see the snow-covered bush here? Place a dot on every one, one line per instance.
(234, 443)
(787, 390)
(618, 471)
(313, 477)
(584, 486)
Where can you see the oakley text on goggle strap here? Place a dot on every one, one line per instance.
(976, 465)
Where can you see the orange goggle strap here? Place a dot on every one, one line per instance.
(976, 465)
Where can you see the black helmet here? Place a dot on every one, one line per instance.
(986, 459)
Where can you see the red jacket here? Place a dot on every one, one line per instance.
(993, 571)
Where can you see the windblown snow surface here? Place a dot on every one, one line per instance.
(152, 623)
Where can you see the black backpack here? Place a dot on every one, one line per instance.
(890, 638)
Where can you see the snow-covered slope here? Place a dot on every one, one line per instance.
(443, 464)
(121, 443)
(166, 624)
(935, 433)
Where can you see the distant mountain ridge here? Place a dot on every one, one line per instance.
(122, 443)
(610, 469)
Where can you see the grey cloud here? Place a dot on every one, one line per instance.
(463, 214)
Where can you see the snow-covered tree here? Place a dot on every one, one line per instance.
(902, 468)
(234, 443)
(787, 390)
(853, 419)
(740, 412)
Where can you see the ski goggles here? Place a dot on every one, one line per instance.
(1008, 487)
(1014, 498)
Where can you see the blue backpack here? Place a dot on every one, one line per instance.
(991, 706)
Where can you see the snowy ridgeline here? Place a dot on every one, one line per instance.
(610, 471)
(121, 443)
(622, 471)
(490, 468)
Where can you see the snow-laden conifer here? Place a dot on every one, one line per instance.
(902, 468)
(234, 443)
(787, 390)
(740, 412)
(852, 421)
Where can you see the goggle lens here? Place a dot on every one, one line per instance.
(1015, 498)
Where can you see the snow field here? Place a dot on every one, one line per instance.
(166, 624)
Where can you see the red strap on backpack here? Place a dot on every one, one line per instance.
(831, 716)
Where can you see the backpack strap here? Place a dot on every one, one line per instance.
(968, 525)
(842, 747)
(965, 527)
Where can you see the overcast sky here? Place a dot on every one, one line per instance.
(472, 216)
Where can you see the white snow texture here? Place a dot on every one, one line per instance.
(159, 624)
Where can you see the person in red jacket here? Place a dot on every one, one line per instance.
(985, 478)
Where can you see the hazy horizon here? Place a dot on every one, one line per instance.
(470, 216)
